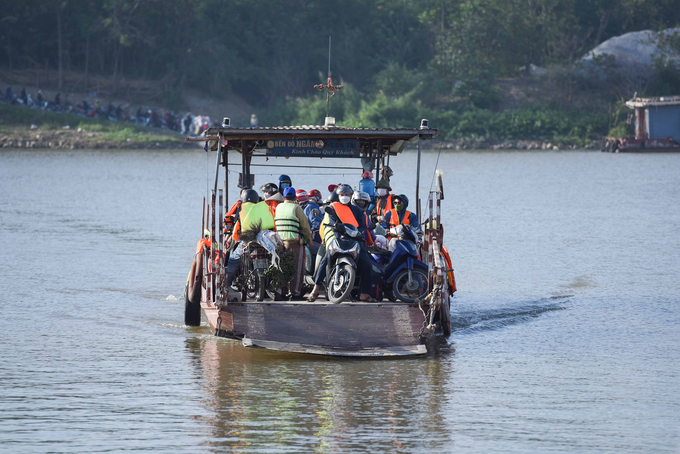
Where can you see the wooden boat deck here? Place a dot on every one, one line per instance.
(323, 328)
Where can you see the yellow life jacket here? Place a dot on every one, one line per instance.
(253, 214)
(287, 224)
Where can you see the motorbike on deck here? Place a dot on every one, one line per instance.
(405, 275)
(256, 257)
(343, 255)
(252, 281)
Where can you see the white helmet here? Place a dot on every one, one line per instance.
(361, 200)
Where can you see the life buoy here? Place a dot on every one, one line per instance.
(451, 278)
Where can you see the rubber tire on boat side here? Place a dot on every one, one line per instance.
(192, 311)
(352, 273)
(196, 279)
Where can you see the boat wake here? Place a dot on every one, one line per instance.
(471, 320)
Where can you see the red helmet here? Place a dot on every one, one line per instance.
(301, 195)
(316, 194)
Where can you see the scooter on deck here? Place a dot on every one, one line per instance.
(342, 280)
(405, 275)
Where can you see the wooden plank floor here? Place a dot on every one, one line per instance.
(347, 329)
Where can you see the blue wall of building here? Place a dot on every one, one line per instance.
(664, 121)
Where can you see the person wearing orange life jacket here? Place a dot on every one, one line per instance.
(293, 229)
(342, 211)
(231, 221)
(272, 197)
(400, 215)
(384, 201)
(205, 241)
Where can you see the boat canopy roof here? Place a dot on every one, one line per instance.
(339, 132)
(654, 102)
(320, 141)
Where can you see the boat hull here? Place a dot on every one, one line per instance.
(347, 329)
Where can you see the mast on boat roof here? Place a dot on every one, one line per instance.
(330, 121)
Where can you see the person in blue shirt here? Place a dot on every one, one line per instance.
(284, 182)
(313, 213)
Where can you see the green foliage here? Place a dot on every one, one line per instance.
(280, 277)
(399, 60)
(529, 123)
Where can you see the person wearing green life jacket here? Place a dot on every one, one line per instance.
(293, 228)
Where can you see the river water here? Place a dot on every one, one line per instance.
(566, 323)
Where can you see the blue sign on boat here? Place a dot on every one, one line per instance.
(318, 148)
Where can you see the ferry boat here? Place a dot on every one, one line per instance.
(353, 327)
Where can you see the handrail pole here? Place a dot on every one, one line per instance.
(418, 181)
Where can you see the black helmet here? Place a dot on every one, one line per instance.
(344, 189)
(332, 198)
(403, 198)
(250, 195)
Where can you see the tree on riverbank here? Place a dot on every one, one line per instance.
(404, 59)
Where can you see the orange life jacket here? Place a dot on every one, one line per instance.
(234, 207)
(202, 242)
(345, 214)
(384, 205)
(450, 277)
(369, 238)
(229, 218)
(394, 218)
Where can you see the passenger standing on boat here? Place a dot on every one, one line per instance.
(399, 215)
(284, 182)
(293, 229)
(313, 213)
(342, 211)
(384, 203)
(205, 241)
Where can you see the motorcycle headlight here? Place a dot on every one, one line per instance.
(333, 246)
(355, 251)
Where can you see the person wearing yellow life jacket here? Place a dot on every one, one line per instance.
(254, 214)
(384, 201)
(292, 227)
(342, 211)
